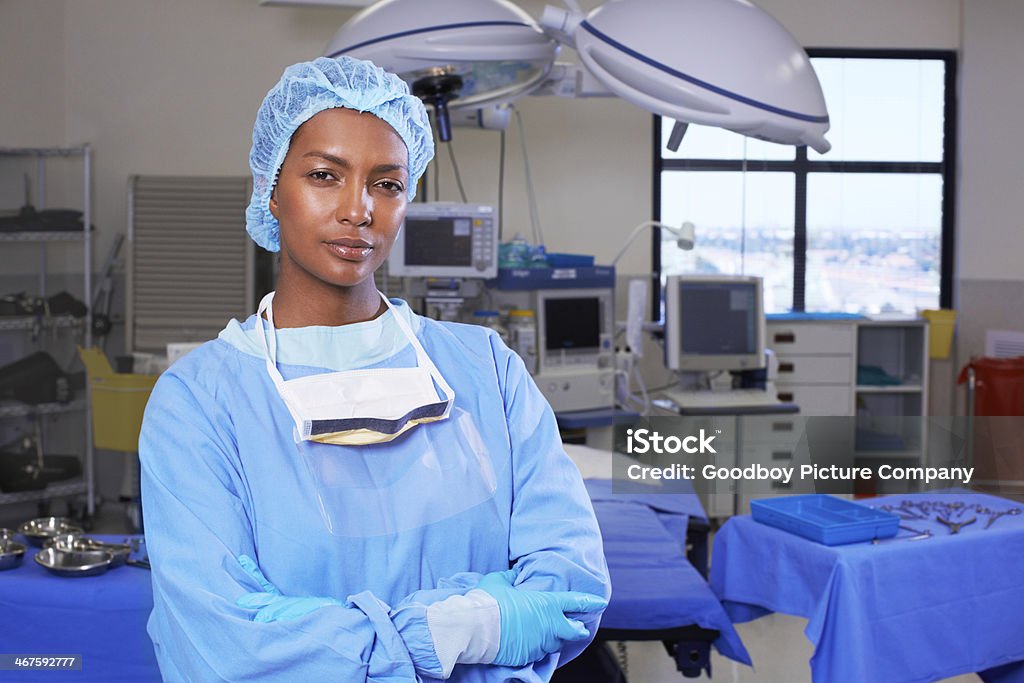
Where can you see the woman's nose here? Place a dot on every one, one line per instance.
(354, 206)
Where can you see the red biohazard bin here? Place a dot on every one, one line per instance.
(997, 397)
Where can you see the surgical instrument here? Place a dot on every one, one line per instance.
(919, 536)
(993, 515)
(954, 527)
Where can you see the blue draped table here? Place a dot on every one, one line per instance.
(902, 611)
(103, 618)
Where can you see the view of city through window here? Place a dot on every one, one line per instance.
(873, 234)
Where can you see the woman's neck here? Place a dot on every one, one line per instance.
(314, 302)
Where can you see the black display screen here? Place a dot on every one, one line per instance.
(572, 323)
(718, 319)
(438, 242)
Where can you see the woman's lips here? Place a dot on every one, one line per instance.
(350, 250)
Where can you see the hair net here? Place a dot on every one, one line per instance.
(305, 90)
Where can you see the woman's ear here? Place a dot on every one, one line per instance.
(273, 203)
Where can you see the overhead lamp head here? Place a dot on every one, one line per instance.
(495, 48)
(724, 63)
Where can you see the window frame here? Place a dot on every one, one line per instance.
(801, 167)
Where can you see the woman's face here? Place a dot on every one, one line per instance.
(341, 197)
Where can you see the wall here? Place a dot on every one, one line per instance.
(991, 203)
(32, 77)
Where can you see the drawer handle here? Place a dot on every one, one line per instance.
(786, 396)
(785, 338)
(782, 426)
(782, 455)
(786, 367)
(782, 484)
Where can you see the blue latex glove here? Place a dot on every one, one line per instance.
(533, 623)
(271, 605)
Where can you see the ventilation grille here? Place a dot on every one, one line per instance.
(1004, 344)
(191, 264)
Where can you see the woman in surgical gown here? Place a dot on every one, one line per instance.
(341, 489)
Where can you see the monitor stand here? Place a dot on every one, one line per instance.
(721, 381)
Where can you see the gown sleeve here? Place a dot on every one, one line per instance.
(554, 539)
(197, 526)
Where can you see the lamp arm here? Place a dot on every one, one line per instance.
(683, 237)
(571, 80)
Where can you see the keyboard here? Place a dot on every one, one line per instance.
(736, 398)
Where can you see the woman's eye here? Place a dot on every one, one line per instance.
(390, 186)
(321, 175)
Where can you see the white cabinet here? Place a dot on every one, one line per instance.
(816, 364)
(873, 373)
(771, 441)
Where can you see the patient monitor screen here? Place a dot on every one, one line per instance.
(441, 242)
(718, 318)
(572, 323)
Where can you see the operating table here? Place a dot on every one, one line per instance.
(656, 547)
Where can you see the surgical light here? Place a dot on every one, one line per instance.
(457, 53)
(724, 63)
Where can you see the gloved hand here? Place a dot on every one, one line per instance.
(533, 623)
(271, 605)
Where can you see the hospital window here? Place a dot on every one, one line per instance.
(865, 228)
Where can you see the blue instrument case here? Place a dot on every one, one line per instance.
(825, 519)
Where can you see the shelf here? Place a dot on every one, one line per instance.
(43, 151)
(13, 409)
(888, 389)
(29, 321)
(60, 490)
(893, 320)
(41, 236)
(83, 235)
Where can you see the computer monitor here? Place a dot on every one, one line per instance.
(714, 322)
(446, 240)
(574, 327)
(576, 361)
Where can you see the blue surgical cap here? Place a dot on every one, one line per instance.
(307, 89)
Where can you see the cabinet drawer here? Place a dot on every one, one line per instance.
(769, 455)
(811, 338)
(818, 399)
(798, 369)
(784, 430)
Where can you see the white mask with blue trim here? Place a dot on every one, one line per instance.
(359, 407)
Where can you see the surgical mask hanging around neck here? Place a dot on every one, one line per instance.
(358, 407)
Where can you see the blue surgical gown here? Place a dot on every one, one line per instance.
(220, 478)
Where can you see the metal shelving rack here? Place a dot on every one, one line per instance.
(41, 155)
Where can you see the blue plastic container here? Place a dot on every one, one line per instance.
(825, 519)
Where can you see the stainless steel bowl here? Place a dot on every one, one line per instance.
(11, 554)
(43, 528)
(7, 534)
(75, 542)
(119, 552)
(74, 563)
(64, 541)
